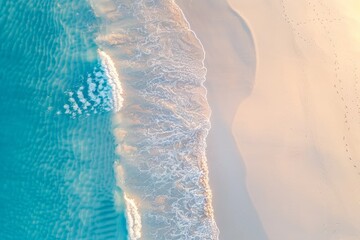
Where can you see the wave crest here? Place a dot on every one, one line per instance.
(113, 79)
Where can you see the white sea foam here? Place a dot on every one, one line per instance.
(133, 218)
(113, 79)
(203, 160)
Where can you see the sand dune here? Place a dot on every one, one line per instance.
(296, 166)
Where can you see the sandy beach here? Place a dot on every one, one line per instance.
(231, 63)
(283, 86)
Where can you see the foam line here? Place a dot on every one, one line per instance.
(133, 218)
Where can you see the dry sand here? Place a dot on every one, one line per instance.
(283, 85)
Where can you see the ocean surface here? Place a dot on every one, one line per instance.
(103, 122)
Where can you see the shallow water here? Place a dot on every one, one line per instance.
(57, 178)
(162, 127)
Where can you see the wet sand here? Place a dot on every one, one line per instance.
(231, 62)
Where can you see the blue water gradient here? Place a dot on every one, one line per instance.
(56, 176)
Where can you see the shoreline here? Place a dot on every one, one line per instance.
(235, 215)
(204, 162)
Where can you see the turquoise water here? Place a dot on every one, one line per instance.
(56, 177)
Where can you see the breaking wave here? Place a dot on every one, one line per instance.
(113, 79)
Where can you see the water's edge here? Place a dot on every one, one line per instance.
(161, 118)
